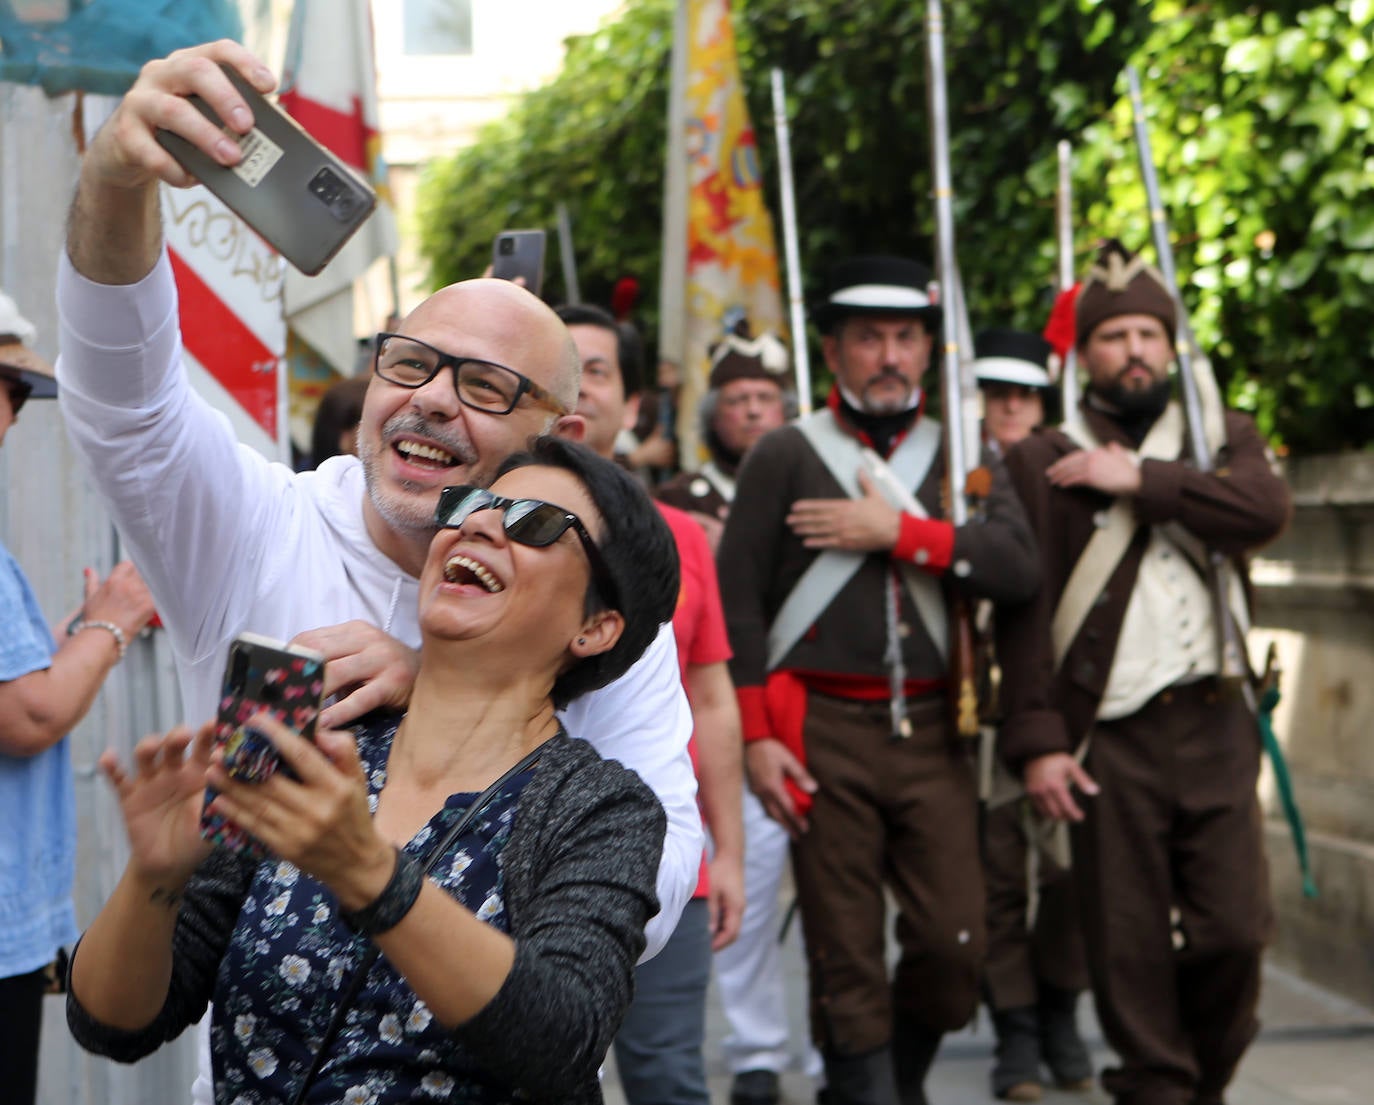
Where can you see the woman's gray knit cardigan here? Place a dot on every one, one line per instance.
(579, 872)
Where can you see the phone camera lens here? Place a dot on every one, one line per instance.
(335, 193)
(507, 246)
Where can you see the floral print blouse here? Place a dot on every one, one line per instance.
(290, 959)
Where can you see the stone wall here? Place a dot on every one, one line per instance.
(1315, 592)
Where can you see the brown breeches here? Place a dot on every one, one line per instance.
(1174, 891)
(1022, 956)
(901, 814)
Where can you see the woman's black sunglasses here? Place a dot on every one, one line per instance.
(531, 522)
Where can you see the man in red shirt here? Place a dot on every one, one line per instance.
(659, 1047)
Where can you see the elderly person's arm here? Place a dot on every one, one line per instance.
(38, 708)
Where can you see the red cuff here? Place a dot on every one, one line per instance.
(753, 713)
(926, 542)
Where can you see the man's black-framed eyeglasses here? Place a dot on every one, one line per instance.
(482, 385)
(532, 522)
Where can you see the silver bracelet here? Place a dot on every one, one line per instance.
(121, 642)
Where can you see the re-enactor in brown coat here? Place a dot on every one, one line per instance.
(884, 809)
(1167, 851)
(1035, 966)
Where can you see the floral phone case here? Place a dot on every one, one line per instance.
(261, 676)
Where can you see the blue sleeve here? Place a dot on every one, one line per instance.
(26, 644)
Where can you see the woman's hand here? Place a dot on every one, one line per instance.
(319, 821)
(160, 800)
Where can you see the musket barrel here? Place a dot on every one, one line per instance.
(1230, 648)
(566, 254)
(1068, 370)
(1164, 252)
(955, 360)
(801, 360)
(943, 197)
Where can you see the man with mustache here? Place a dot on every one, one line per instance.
(1120, 645)
(835, 600)
(230, 542)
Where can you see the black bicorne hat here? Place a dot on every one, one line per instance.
(878, 285)
(1012, 357)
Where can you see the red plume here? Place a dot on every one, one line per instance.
(1059, 329)
(624, 297)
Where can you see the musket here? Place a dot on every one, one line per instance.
(801, 361)
(962, 658)
(1230, 650)
(1068, 370)
(566, 255)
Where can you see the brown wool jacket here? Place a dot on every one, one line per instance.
(1238, 507)
(760, 560)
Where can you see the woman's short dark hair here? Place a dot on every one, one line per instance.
(640, 555)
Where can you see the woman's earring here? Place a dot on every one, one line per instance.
(582, 640)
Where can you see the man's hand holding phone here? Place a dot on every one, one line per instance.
(125, 153)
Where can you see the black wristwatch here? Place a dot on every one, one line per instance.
(386, 910)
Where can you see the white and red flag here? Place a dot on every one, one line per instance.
(330, 88)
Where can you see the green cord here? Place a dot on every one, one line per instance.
(1284, 782)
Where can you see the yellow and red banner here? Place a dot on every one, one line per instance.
(720, 261)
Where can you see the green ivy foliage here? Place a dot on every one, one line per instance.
(1260, 121)
(592, 139)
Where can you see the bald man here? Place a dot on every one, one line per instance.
(230, 542)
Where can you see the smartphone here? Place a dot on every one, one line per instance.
(261, 676)
(296, 194)
(519, 253)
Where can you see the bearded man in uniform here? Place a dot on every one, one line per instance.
(1121, 643)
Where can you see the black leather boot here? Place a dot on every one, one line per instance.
(859, 1079)
(1061, 1046)
(913, 1051)
(1016, 1072)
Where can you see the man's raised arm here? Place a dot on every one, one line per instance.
(114, 231)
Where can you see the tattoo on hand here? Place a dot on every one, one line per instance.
(168, 899)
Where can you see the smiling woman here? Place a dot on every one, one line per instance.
(502, 870)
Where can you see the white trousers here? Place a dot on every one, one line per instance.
(749, 973)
